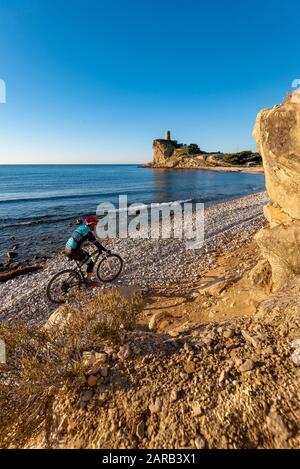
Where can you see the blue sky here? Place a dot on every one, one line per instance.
(93, 81)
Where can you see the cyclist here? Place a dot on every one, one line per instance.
(84, 232)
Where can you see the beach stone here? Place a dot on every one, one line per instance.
(11, 254)
(199, 442)
(104, 371)
(155, 406)
(228, 333)
(92, 380)
(124, 352)
(248, 365)
(140, 429)
(101, 357)
(189, 367)
(59, 318)
(222, 376)
(174, 395)
(196, 409)
(254, 341)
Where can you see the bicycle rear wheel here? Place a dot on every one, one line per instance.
(63, 286)
(109, 268)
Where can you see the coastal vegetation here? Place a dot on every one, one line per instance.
(243, 158)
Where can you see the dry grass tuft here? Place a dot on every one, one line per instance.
(40, 361)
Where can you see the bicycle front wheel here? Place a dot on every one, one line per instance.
(109, 268)
(63, 286)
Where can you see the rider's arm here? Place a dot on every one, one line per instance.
(93, 240)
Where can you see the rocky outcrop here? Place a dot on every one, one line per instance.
(169, 153)
(162, 151)
(277, 133)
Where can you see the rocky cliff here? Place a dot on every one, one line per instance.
(170, 154)
(278, 138)
(163, 150)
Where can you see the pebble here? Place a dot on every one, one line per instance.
(155, 406)
(252, 340)
(199, 442)
(140, 429)
(104, 371)
(248, 365)
(189, 367)
(197, 409)
(124, 352)
(228, 333)
(92, 380)
(174, 395)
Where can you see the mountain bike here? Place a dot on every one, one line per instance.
(65, 283)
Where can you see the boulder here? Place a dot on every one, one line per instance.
(59, 318)
(278, 139)
(277, 133)
(281, 247)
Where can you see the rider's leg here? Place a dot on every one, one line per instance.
(90, 268)
(84, 258)
(89, 273)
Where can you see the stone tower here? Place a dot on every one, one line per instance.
(168, 135)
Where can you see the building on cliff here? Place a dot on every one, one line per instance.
(166, 151)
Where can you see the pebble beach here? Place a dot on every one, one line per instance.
(148, 263)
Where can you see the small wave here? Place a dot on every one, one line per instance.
(62, 197)
(19, 224)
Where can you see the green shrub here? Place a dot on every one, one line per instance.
(242, 158)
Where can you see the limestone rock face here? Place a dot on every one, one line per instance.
(162, 151)
(278, 138)
(281, 247)
(276, 216)
(277, 133)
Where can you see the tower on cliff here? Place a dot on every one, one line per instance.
(168, 134)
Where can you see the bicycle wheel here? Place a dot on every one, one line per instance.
(109, 268)
(63, 285)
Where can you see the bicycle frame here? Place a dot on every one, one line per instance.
(81, 264)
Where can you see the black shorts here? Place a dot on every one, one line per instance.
(81, 256)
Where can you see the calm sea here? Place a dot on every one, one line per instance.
(40, 203)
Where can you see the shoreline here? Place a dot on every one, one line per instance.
(149, 263)
(259, 170)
